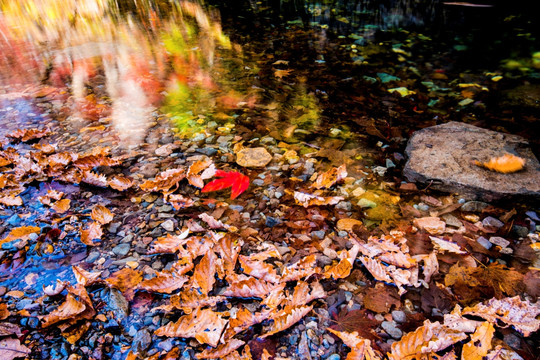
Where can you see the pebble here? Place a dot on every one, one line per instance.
(14, 220)
(272, 221)
(391, 329)
(166, 345)
(168, 225)
(258, 182)
(474, 206)
(318, 234)
(121, 250)
(484, 242)
(118, 304)
(497, 240)
(113, 228)
(141, 341)
(490, 221)
(253, 157)
(334, 357)
(127, 239)
(399, 316)
(520, 231)
(207, 151)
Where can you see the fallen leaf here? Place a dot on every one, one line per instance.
(331, 177)
(236, 181)
(11, 200)
(204, 325)
(92, 232)
(85, 278)
(221, 351)
(189, 299)
(11, 348)
(206, 166)
(29, 134)
(249, 288)
(125, 280)
(307, 200)
(69, 309)
(179, 201)
(507, 163)
(204, 273)
(61, 206)
(480, 343)
(164, 282)
(22, 233)
(101, 214)
(282, 73)
(286, 318)
(360, 347)
(359, 321)
(166, 182)
(120, 183)
(94, 179)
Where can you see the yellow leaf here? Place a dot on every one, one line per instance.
(101, 214)
(507, 163)
(22, 233)
(480, 343)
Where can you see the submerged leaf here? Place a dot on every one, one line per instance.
(236, 181)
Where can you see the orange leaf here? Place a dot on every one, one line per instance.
(101, 214)
(29, 134)
(125, 280)
(66, 311)
(22, 233)
(120, 183)
(61, 206)
(204, 273)
(89, 162)
(11, 200)
(248, 288)
(507, 163)
(84, 277)
(163, 282)
(204, 325)
(329, 178)
(92, 232)
(237, 181)
(179, 201)
(480, 342)
(94, 179)
(198, 166)
(221, 351)
(287, 318)
(189, 299)
(259, 269)
(307, 200)
(11, 348)
(360, 348)
(165, 181)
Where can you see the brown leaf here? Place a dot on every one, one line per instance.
(11, 348)
(251, 287)
(303, 268)
(7, 329)
(427, 339)
(245, 319)
(359, 321)
(304, 294)
(94, 179)
(204, 273)
(69, 309)
(179, 201)
(360, 347)
(85, 278)
(307, 200)
(125, 280)
(259, 269)
(165, 181)
(228, 251)
(61, 206)
(189, 299)
(89, 162)
(286, 318)
(511, 311)
(101, 214)
(196, 179)
(120, 183)
(163, 282)
(29, 134)
(22, 232)
(221, 351)
(212, 222)
(343, 268)
(168, 244)
(331, 177)
(92, 232)
(480, 342)
(4, 313)
(204, 325)
(381, 298)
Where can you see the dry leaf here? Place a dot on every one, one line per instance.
(11, 200)
(120, 183)
(92, 232)
(206, 166)
(29, 134)
(445, 245)
(164, 282)
(303, 268)
(179, 201)
(11, 348)
(204, 273)
(189, 299)
(212, 222)
(221, 351)
(286, 318)
(480, 343)
(101, 214)
(328, 179)
(249, 288)
(94, 179)
(259, 269)
(204, 325)
(507, 163)
(510, 311)
(61, 206)
(69, 309)
(245, 319)
(85, 278)
(360, 348)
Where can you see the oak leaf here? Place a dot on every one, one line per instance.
(101, 214)
(507, 163)
(238, 183)
(204, 325)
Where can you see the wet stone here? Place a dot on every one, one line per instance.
(14, 220)
(520, 231)
(490, 221)
(499, 241)
(399, 316)
(391, 329)
(141, 341)
(318, 234)
(253, 157)
(474, 206)
(168, 225)
(207, 151)
(121, 250)
(113, 228)
(484, 242)
(444, 155)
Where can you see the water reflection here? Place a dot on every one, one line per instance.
(113, 62)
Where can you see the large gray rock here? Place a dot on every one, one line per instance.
(444, 156)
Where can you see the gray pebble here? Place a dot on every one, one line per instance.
(166, 345)
(141, 341)
(93, 256)
(474, 206)
(492, 222)
(399, 316)
(113, 228)
(484, 242)
(334, 357)
(344, 205)
(168, 225)
(121, 250)
(258, 182)
(391, 329)
(318, 234)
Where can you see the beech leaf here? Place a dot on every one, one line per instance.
(102, 215)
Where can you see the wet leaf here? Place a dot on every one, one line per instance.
(236, 181)
(4, 314)
(68, 310)
(507, 163)
(166, 182)
(249, 288)
(189, 299)
(29, 134)
(328, 179)
(359, 321)
(91, 161)
(204, 325)
(102, 215)
(179, 201)
(212, 222)
(164, 282)
(360, 347)
(125, 280)
(194, 175)
(92, 232)
(204, 273)
(307, 200)
(11, 200)
(12, 349)
(22, 232)
(94, 179)
(85, 278)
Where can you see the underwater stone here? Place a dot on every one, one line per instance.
(253, 157)
(443, 157)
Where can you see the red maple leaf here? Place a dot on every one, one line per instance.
(237, 181)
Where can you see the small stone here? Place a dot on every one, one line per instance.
(323, 260)
(118, 305)
(113, 227)
(93, 256)
(432, 225)
(253, 157)
(451, 220)
(168, 225)
(399, 316)
(166, 345)
(391, 329)
(520, 231)
(497, 240)
(271, 221)
(474, 206)
(318, 234)
(365, 203)
(207, 151)
(141, 341)
(490, 221)
(258, 182)
(14, 220)
(484, 242)
(334, 357)
(121, 249)
(165, 150)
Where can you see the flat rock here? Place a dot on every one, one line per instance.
(253, 157)
(443, 156)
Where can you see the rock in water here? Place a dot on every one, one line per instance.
(444, 157)
(253, 157)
